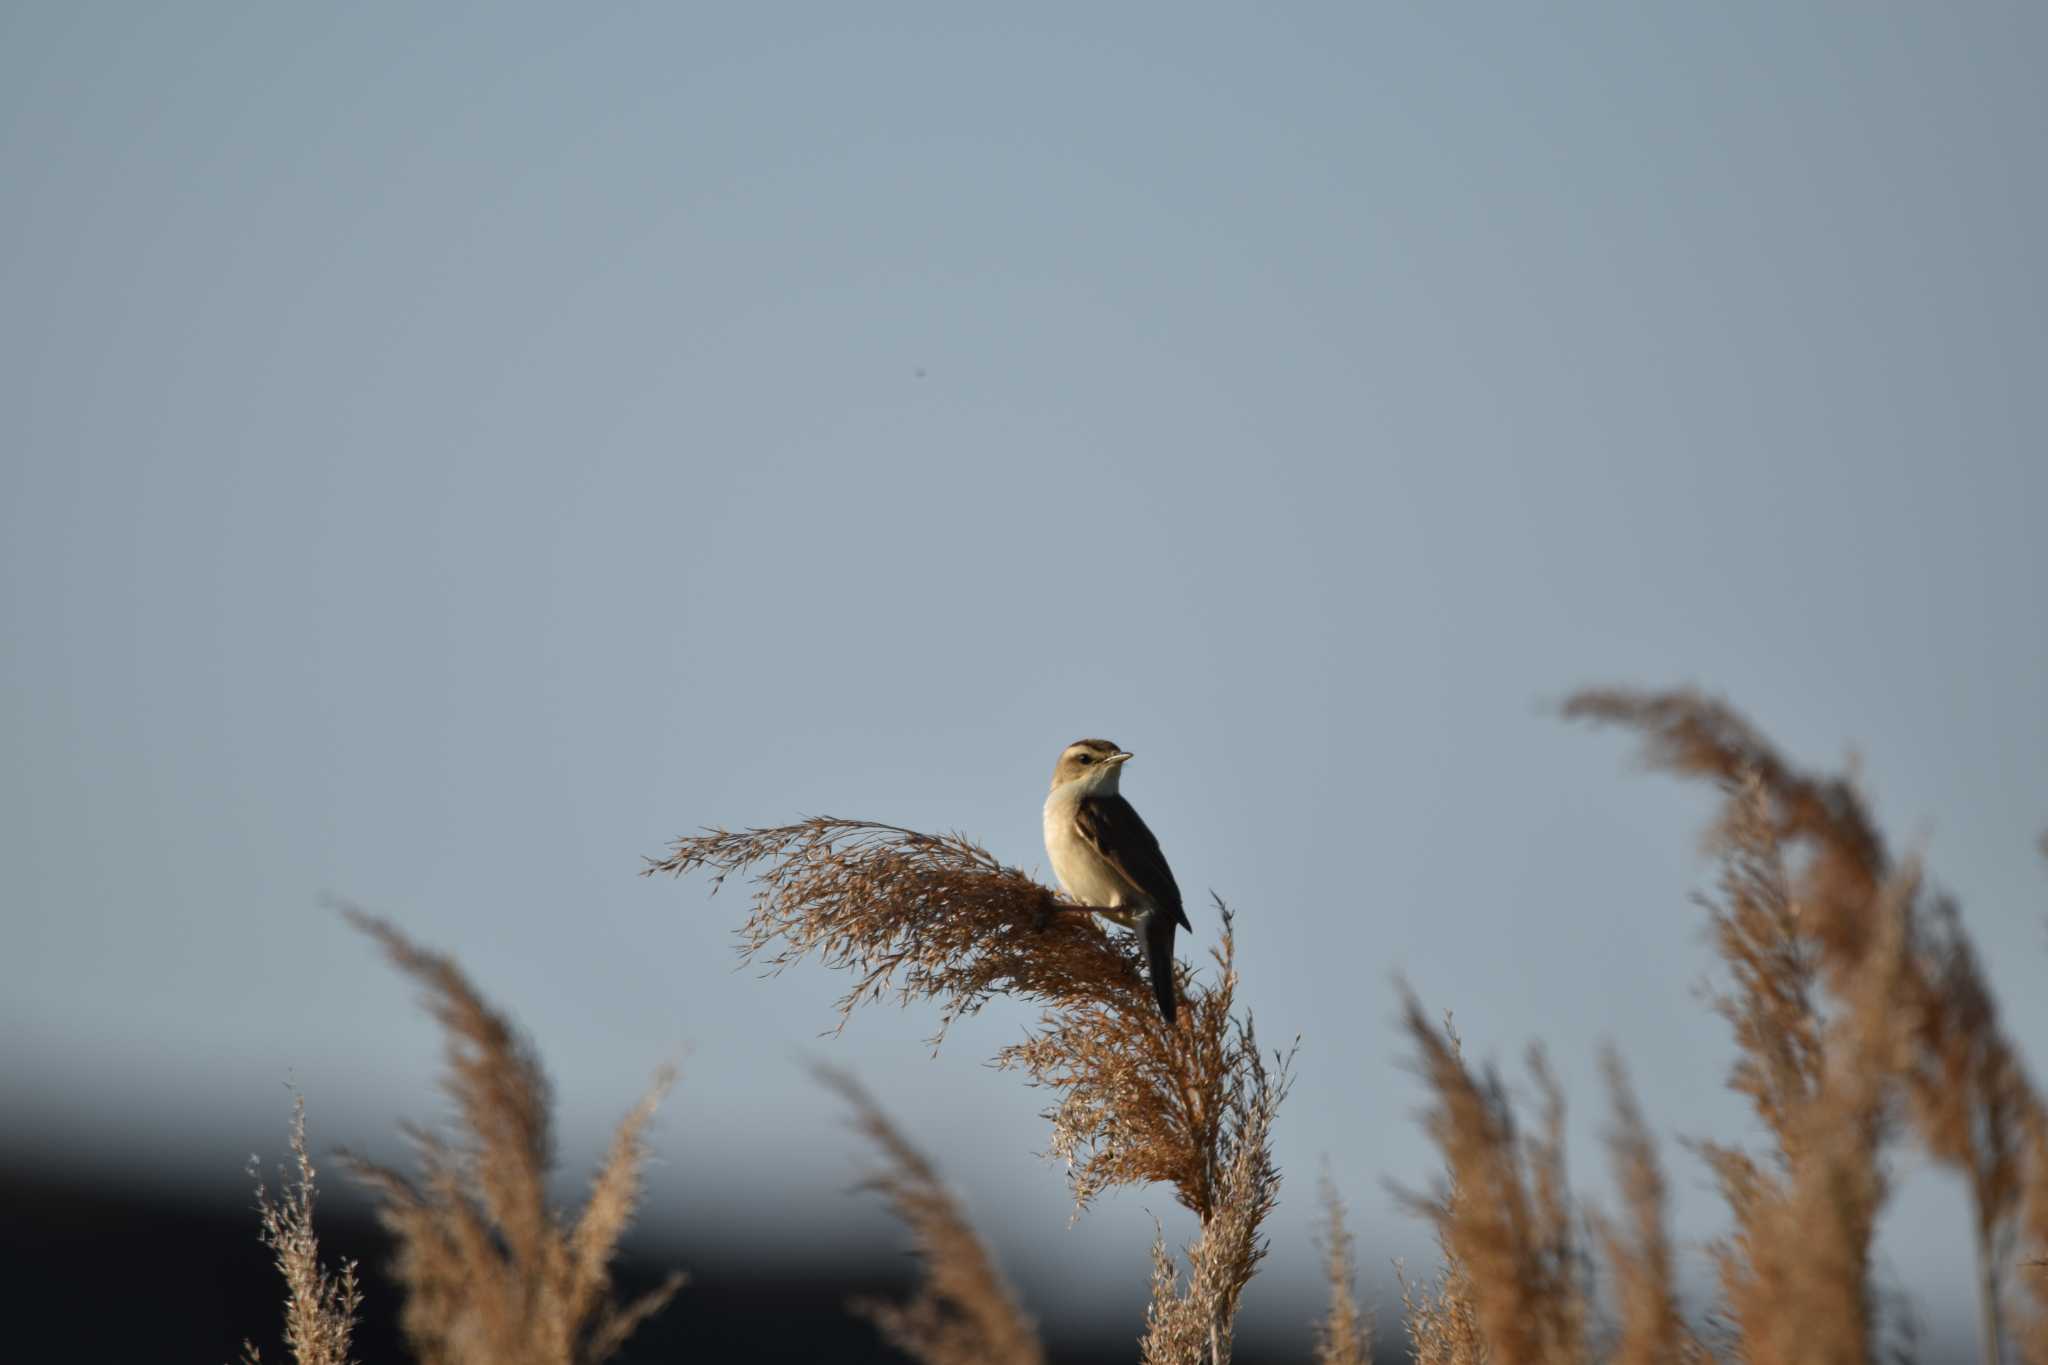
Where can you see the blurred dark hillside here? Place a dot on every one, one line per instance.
(104, 1272)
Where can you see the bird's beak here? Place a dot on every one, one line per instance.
(1121, 758)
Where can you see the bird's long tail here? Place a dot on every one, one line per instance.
(1158, 933)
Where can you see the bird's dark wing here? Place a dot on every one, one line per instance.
(1114, 829)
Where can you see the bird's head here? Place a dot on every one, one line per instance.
(1093, 762)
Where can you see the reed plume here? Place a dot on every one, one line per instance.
(1637, 1247)
(1192, 1318)
(1691, 735)
(1501, 1214)
(1816, 897)
(1344, 1336)
(1442, 1325)
(2033, 1239)
(918, 917)
(491, 1274)
(1441, 1317)
(964, 1311)
(320, 1306)
(1969, 1095)
(1795, 1271)
(1140, 1100)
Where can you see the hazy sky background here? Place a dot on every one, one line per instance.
(448, 451)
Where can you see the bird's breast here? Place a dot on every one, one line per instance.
(1083, 873)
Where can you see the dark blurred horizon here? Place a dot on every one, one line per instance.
(194, 1282)
(194, 1278)
(192, 1272)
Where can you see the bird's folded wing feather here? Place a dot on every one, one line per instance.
(1111, 826)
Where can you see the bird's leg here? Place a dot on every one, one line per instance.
(1052, 909)
(1113, 913)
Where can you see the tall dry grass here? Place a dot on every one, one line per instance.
(487, 1271)
(1860, 1018)
(320, 1305)
(1637, 1243)
(1814, 901)
(964, 1311)
(1344, 1336)
(491, 1273)
(1501, 1213)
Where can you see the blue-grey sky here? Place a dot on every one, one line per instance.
(450, 450)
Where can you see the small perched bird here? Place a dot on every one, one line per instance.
(1107, 860)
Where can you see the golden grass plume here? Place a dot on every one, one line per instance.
(921, 917)
(2032, 1254)
(916, 916)
(321, 1306)
(1192, 1317)
(1440, 1317)
(1140, 1101)
(1442, 1326)
(1502, 1213)
(1344, 1336)
(964, 1311)
(1811, 897)
(491, 1274)
(1637, 1246)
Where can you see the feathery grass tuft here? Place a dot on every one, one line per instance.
(926, 917)
(1141, 1100)
(922, 917)
(492, 1275)
(964, 1312)
(917, 916)
(1344, 1336)
(1443, 1326)
(320, 1306)
(2032, 1254)
(1502, 1213)
(1812, 896)
(1638, 1249)
(1191, 1318)
(1442, 1322)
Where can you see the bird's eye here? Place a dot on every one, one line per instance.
(1085, 758)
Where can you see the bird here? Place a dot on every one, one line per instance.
(1106, 858)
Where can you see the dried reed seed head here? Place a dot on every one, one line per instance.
(924, 917)
(1920, 1018)
(1344, 1336)
(918, 917)
(321, 1306)
(1692, 735)
(1140, 1101)
(912, 916)
(964, 1311)
(1190, 1320)
(1502, 1214)
(2031, 1251)
(1443, 1328)
(1638, 1246)
(489, 1271)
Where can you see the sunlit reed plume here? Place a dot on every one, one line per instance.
(320, 1306)
(491, 1274)
(918, 917)
(964, 1312)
